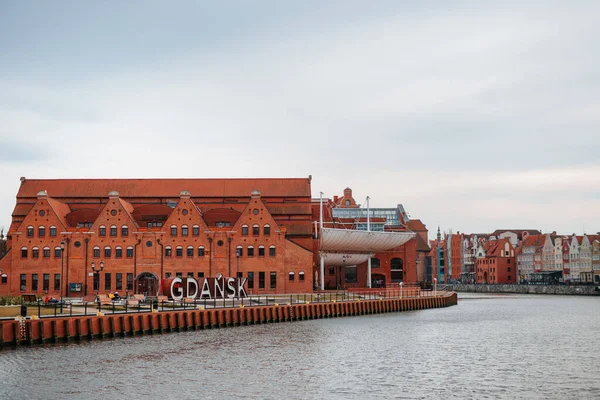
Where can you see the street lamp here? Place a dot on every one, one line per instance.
(401, 283)
(434, 287)
(238, 253)
(62, 266)
(96, 272)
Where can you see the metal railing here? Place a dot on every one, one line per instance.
(123, 306)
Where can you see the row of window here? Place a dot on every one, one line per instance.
(35, 252)
(108, 284)
(35, 282)
(46, 251)
(201, 251)
(41, 231)
(113, 230)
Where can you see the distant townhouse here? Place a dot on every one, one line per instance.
(496, 262)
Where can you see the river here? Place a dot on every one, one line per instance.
(487, 347)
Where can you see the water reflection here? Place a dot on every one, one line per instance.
(486, 347)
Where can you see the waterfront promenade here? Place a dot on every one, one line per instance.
(64, 328)
(577, 290)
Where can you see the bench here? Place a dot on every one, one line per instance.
(29, 298)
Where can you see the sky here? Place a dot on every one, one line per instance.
(475, 115)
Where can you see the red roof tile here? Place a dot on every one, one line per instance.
(238, 187)
(415, 225)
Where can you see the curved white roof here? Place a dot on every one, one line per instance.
(338, 259)
(352, 240)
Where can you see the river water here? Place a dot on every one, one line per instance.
(487, 347)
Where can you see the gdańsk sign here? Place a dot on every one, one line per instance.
(204, 288)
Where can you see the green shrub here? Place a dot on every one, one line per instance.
(9, 300)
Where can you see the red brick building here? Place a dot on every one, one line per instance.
(389, 267)
(496, 263)
(144, 230)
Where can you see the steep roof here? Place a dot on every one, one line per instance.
(416, 225)
(235, 187)
(534, 241)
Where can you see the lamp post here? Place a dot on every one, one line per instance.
(62, 266)
(237, 256)
(434, 287)
(96, 272)
(401, 283)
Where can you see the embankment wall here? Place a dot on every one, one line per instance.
(65, 329)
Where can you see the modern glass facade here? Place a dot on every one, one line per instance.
(391, 215)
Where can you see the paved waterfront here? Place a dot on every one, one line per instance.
(489, 346)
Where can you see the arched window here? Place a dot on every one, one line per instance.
(244, 230)
(96, 252)
(107, 251)
(41, 231)
(35, 252)
(397, 265)
(267, 230)
(23, 252)
(195, 230)
(255, 230)
(168, 251)
(179, 251)
(272, 251)
(375, 263)
(200, 251)
(46, 252)
(173, 230)
(184, 230)
(124, 230)
(250, 251)
(52, 231)
(102, 230)
(113, 230)
(129, 251)
(301, 276)
(57, 252)
(291, 275)
(190, 251)
(30, 231)
(239, 251)
(118, 252)
(261, 251)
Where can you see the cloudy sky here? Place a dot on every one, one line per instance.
(475, 115)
